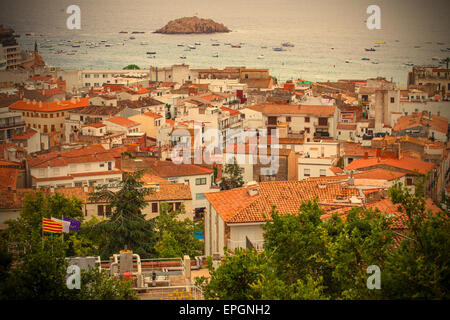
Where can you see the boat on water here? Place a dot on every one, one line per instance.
(108, 45)
(374, 62)
(215, 44)
(183, 57)
(191, 47)
(227, 44)
(287, 44)
(261, 56)
(347, 61)
(263, 47)
(180, 45)
(143, 43)
(439, 43)
(380, 42)
(371, 49)
(409, 64)
(70, 53)
(215, 55)
(151, 52)
(123, 32)
(235, 45)
(132, 38)
(137, 32)
(365, 59)
(75, 45)
(197, 43)
(278, 49)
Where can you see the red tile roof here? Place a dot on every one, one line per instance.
(92, 153)
(379, 174)
(167, 169)
(153, 114)
(25, 136)
(237, 206)
(50, 106)
(231, 111)
(124, 122)
(404, 163)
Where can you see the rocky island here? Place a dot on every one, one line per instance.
(189, 25)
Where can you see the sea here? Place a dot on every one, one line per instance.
(329, 36)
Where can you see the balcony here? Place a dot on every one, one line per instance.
(257, 244)
(12, 124)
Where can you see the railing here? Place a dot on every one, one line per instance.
(13, 124)
(257, 244)
(189, 292)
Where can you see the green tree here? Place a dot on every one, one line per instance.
(232, 176)
(127, 226)
(232, 280)
(27, 228)
(176, 237)
(419, 267)
(131, 67)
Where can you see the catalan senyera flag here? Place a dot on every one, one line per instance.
(49, 225)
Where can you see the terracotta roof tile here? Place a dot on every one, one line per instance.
(405, 163)
(124, 122)
(50, 106)
(237, 206)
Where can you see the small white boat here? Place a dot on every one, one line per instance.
(191, 47)
(216, 55)
(261, 56)
(197, 43)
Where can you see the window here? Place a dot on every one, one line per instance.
(108, 211)
(323, 121)
(154, 207)
(307, 130)
(409, 182)
(200, 181)
(307, 119)
(100, 210)
(392, 99)
(200, 196)
(186, 182)
(288, 119)
(45, 128)
(323, 172)
(306, 172)
(53, 128)
(51, 115)
(96, 75)
(177, 205)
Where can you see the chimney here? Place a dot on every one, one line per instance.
(379, 154)
(252, 188)
(366, 155)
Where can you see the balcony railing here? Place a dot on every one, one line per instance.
(12, 124)
(257, 244)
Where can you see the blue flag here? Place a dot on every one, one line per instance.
(74, 224)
